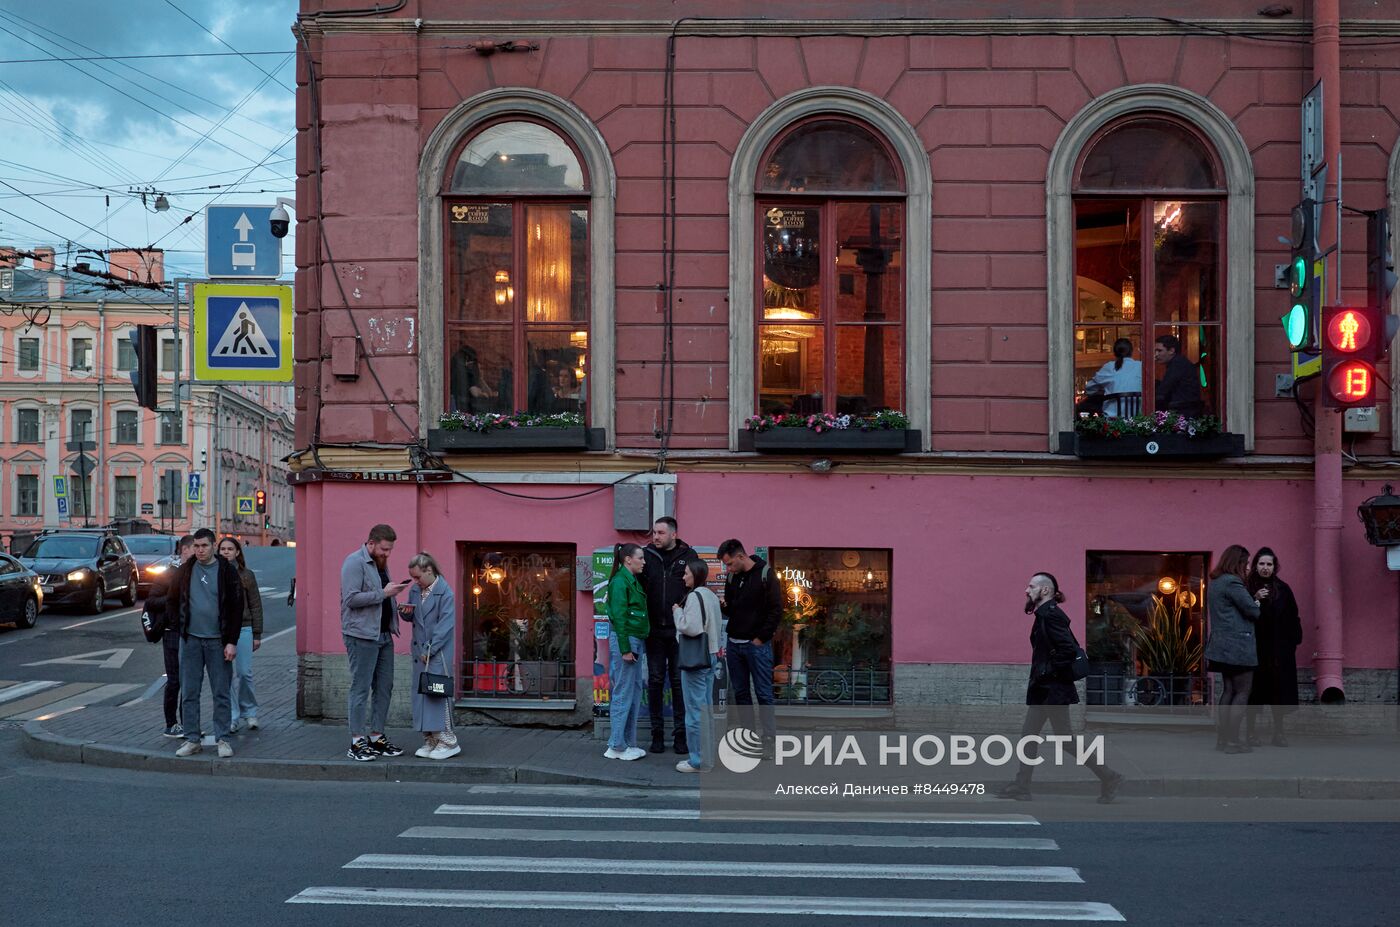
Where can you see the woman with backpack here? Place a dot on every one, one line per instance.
(697, 630)
(241, 695)
(627, 613)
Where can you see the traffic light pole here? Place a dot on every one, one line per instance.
(1327, 435)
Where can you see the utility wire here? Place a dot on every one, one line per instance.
(218, 38)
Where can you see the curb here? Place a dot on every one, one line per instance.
(42, 744)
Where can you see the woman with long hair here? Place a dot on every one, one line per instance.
(1231, 647)
(1117, 379)
(1278, 632)
(698, 616)
(627, 614)
(241, 695)
(432, 609)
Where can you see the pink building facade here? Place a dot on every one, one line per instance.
(668, 225)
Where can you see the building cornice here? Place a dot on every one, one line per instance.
(1127, 25)
(930, 464)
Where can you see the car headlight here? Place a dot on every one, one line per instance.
(156, 569)
(78, 576)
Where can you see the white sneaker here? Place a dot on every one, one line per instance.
(633, 753)
(189, 748)
(253, 724)
(426, 749)
(225, 750)
(612, 754)
(443, 751)
(685, 767)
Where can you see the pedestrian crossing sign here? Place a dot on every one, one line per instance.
(242, 333)
(245, 505)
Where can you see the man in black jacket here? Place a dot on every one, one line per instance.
(1050, 690)
(663, 579)
(206, 601)
(1179, 390)
(170, 640)
(753, 602)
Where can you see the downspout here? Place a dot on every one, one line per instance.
(99, 491)
(1327, 440)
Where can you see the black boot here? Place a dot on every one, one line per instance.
(658, 742)
(682, 748)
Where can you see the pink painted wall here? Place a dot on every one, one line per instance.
(963, 546)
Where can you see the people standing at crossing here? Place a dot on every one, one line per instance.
(663, 579)
(1278, 632)
(241, 695)
(432, 609)
(1231, 649)
(155, 606)
(627, 615)
(698, 617)
(369, 623)
(207, 597)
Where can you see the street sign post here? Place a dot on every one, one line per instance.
(242, 333)
(148, 508)
(60, 495)
(194, 489)
(239, 243)
(245, 505)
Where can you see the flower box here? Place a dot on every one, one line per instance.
(833, 441)
(575, 438)
(1151, 446)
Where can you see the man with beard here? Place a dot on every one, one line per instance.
(1051, 689)
(369, 621)
(663, 579)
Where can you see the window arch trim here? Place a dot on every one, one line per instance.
(1234, 158)
(1148, 116)
(479, 128)
(893, 130)
(570, 123)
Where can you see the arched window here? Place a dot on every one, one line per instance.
(517, 295)
(829, 240)
(1149, 267)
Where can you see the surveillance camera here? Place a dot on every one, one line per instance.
(279, 221)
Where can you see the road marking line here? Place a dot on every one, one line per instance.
(692, 814)
(730, 839)
(35, 703)
(150, 691)
(714, 904)
(26, 688)
(91, 696)
(611, 792)
(279, 633)
(129, 611)
(740, 869)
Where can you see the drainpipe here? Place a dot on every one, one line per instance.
(1327, 441)
(99, 489)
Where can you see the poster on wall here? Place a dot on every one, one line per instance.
(602, 569)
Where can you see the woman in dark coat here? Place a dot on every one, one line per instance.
(1231, 649)
(1278, 632)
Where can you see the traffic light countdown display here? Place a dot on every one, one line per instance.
(1352, 343)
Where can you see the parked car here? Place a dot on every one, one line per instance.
(155, 555)
(82, 567)
(20, 594)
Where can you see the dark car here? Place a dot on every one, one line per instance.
(155, 555)
(82, 568)
(20, 595)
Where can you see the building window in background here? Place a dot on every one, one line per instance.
(27, 495)
(27, 426)
(124, 497)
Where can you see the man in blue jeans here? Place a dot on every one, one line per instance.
(753, 602)
(206, 597)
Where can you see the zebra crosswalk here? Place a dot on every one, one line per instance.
(42, 699)
(870, 869)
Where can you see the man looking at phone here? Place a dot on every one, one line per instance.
(370, 623)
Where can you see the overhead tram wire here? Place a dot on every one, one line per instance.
(45, 123)
(218, 38)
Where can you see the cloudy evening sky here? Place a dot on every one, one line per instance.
(77, 135)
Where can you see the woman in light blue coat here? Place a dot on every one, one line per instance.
(432, 608)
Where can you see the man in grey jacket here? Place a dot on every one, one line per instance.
(370, 622)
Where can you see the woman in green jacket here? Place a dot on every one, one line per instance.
(627, 612)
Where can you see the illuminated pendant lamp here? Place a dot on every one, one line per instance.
(1128, 303)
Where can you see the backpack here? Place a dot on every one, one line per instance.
(153, 626)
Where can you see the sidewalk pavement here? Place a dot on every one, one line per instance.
(1157, 763)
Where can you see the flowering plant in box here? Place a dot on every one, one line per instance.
(490, 421)
(1094, 425)
(886, 420)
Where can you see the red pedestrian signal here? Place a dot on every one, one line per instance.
(1351, 346)
(260, 499)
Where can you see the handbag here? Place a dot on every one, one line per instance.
(694, 652)
(434, 684)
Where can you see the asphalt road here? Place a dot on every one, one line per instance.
(70, 659)
(86, 845)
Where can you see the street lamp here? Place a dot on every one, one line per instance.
(1381, 517)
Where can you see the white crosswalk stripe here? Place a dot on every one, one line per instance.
(46, 698)
(474, 881)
